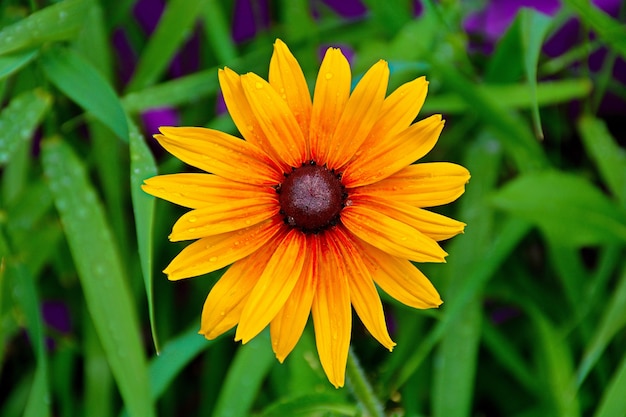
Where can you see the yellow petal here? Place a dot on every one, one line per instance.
(288, 325)
(288, 80)
(332, 90)
(214, 252)
(276, 119)
(359, 115)
(224, 304)
(363, 294)
(241, 113)
(431, 224)
(391, 154)
(400, 278)
(390, 235)
(332, 315)
(199, 190)
(422, 185)
(274, 286)
(226, 217)
(220, 154)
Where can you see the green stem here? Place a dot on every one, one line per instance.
(361, 388)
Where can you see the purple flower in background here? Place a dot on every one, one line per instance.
(249, 18)
(56, 316)
(154, 118)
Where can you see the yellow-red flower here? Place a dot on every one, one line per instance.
(318, 204)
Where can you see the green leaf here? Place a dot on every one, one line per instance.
(505, 64)
(81, 82)
(101, 274)
(612, 403)
(533, 29)
(174, 27)
(310, 404)
(609, 157)
(12, 63)
(564, 206)
(58, 22)
(19, 120)
(143, 166)
(245, 375)
(217, 27)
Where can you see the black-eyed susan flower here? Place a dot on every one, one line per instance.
(318, 204)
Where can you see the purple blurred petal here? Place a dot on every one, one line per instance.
(350, 9)
(250, 17)
(57, 315)
(126, 56)
(154, 118)
(148, 13)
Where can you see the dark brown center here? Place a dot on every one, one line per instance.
(311, 198)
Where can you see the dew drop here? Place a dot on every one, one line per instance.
(259, 85)
(329, 75)
(191, 229)
(213, 259)
(192, 219)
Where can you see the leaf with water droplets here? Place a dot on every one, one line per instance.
(97, 261)
(54, 23)
(12, 63)
(19, 120)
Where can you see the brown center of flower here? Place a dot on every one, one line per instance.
(311, 198)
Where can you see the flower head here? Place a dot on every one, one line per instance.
(318, 204)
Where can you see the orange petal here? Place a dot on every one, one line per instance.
(391, 154)
(363, 294)
(390, 235)
(332, 315)
(431, 224)
(199, 190)
(274, 286)
(360, 114)
(224, 304)
(400, 278)
(241, 113)
(220, 154)
(288, 80)
(276, 119)
(423, 185)
(288, 325)
(214, 252)
(226, 217)
(332, 90)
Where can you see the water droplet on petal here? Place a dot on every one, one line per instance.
(329, 75)
(213, 259)
(259, 85)
(192, 219)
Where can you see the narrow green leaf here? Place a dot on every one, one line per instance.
(19, 120)
(506, 62)
(217, 27)
(611, 31)
(99, 387)
(143, 166)
(101, 274)
(247, 371)
(566, 207)
(612, 403)
(81, 82)
(310, 404)
(533, 29)
(609, 157)
(174, 27)
(58, 22)
(10, 64)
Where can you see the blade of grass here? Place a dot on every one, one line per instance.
(612, 403)
(10, 64)
(174, 27)
(19, 120)
(533, 29)
(101, 274)
(311, 404)
(58, 22)
(217, 28)
(143, 166)
(82, 83)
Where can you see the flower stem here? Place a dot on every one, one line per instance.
(361, 388)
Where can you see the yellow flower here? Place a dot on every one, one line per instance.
(318, 204)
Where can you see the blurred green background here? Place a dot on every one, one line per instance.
(535, 290)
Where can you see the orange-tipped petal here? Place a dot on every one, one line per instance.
(223, 218)
(224, 304)
(241, 113)
(332, 315)
(332, 91)
(288, 80)
(400, 278)
(276, 119)
(200, 190)
(391, 154)
(360, 114)
(274, 286)
(390, 235)
(219, 153)
(422, 185)
(214, 252)
(288, 325)
(363, 294)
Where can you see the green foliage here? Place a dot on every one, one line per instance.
(535, 290)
